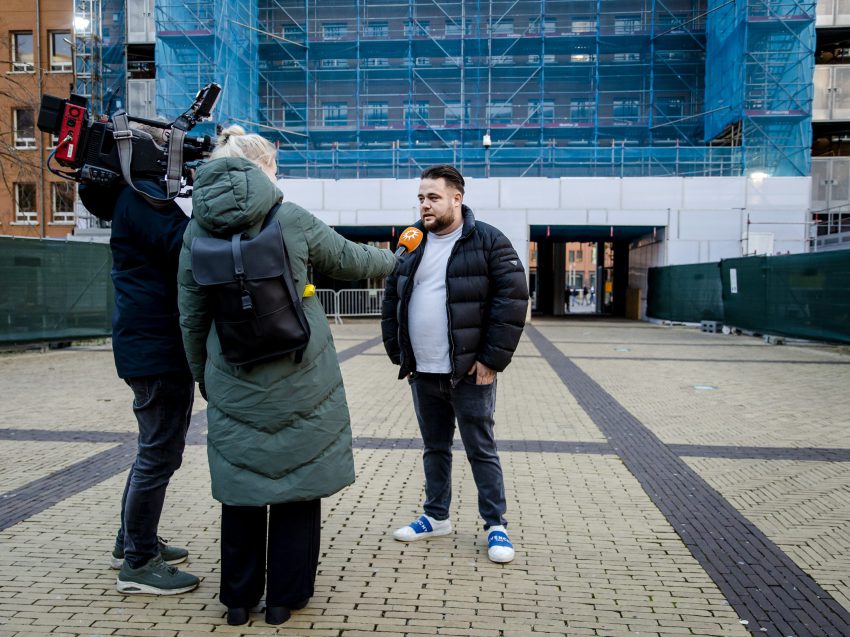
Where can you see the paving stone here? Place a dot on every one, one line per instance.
(595, 554)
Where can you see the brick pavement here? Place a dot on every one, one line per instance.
(599, 552)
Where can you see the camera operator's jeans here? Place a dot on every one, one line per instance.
(437, 406)
(163, 408)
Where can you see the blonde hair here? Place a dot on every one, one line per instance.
(233, 141)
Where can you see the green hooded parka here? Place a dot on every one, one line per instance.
(279, 431)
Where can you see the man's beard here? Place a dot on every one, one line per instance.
(439, 223)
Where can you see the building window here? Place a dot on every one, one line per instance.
(457, 115)
(335, 114)
(627, 57)
(335, 63)
(548, 24)
(63, 202)
(293, 32)
(541, 111)
(501, 60)
(581, 109)
(584, 25)
(457, 28)
(25, 209)
(334, 30)
(503, 27)
(423, 61)
(295, 115)
(60, 51)
(626, 109)
(548, 58)
(672, 106)
(23, 59)
(417, 28)
(417, 114)
(583, 58)
(24, 128)
(377, 30)
(625, 24)
(673, 23)
(501, 113)
(376, 114)
(375, 62)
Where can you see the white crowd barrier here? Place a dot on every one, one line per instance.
(342, 303)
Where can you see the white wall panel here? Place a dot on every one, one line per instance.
(351, 194)
(531, 192)
(654, 192)
(710, 224)
(307, 193)
(722, 192)
(598, 192)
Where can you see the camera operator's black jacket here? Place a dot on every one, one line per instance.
(486, 297)
(146, 243)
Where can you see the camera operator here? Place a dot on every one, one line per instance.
(149, 356)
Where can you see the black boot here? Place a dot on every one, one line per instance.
(237, 616)
(302, 604)
(277, 615)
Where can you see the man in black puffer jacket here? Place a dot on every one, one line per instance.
(470, 271)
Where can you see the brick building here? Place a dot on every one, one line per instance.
(35, 59)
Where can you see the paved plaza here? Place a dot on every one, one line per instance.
(661, 481)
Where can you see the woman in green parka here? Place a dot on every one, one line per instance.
(279, 433)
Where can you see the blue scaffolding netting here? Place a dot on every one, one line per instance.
(349, 88)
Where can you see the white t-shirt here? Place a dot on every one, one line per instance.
(427, 314)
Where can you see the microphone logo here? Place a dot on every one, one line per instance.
(409, 240)
(411, 235)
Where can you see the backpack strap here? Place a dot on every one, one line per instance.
(239, 270)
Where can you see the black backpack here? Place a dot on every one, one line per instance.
(258, 314)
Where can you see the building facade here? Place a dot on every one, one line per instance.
(831, 128)
(36, 53)
(662, 132)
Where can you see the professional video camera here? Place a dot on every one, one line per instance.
(109, 152)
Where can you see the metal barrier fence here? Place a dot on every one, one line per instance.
(339, 303)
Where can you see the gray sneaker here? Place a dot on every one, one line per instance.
(155, 578)
(170, 554)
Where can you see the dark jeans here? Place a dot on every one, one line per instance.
(163, 408)
(285, 565)
(438, 405)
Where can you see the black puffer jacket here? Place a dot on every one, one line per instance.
(487, 297)
(145, 242)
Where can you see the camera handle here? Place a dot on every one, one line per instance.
(124, 142)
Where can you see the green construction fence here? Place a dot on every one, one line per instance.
(686, 293)
(798, 296)
(54, 290)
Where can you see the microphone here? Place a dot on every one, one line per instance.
(408, 241)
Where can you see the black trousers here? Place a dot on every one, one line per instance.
(285, 565)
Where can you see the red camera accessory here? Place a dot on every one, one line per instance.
(70, 131)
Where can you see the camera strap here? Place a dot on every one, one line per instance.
(124, 142)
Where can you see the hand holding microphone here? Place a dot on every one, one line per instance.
(408, 241)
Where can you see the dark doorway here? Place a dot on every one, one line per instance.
(591, 263)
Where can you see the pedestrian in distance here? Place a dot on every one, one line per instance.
(567, 293)
(146, 342)
(451, 359)
(585, 295)
(279, 436)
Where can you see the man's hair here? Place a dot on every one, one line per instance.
(448, 173)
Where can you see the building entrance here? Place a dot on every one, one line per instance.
(580, 270)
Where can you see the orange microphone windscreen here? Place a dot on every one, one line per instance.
(410, 239)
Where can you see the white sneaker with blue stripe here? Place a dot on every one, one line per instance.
(499, 547)
(422, 528)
